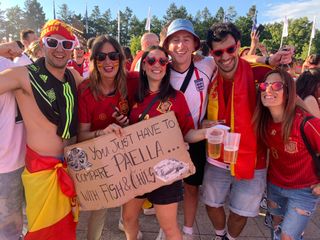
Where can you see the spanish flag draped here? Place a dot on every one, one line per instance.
(237, 112)
(50, 199)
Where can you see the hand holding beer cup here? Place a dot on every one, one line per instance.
(231, 147)
(215, 139)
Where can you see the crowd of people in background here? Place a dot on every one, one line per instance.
(56, 91)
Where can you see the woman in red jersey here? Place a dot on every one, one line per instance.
(293, 184)
(156, 94)
(103, 105)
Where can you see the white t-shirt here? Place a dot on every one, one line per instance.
(23, 60)
(197, 87)
(12, 142)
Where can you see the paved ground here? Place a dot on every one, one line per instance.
(254, 229)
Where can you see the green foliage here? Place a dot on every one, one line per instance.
(14, 23)
(156, 25)
(231, 14)
(14, 19)
(219, 15)
(202, 22)
(244, 24)
(135, 44)
(34, 16)
(173, 12)
(65, 14)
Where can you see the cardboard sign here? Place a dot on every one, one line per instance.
(109, 171)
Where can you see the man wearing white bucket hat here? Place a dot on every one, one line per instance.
(192, 78)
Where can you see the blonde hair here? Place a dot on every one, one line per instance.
(34, 49)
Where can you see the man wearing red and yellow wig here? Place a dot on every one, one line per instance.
(46, 95)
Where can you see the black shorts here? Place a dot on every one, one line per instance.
(197, 153)
(166, 194)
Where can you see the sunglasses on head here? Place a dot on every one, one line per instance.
(152, 61)
(275, 86)
(113, 56)
(219, 52)
(51, 42)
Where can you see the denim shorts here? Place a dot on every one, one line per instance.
(295, 206)
(244, 195)
(11, 200)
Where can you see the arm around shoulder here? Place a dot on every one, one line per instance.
(313, 107)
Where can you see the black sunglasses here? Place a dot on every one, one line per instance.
(113, 56)
(275, 86)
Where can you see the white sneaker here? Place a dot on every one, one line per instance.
(149, 211)
(187, 236)
(121, 228)
(161, 235)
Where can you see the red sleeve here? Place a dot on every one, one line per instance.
(70, 63)
(135, 60)
(183, 114)
(312, 132)
(83, 105)
(259, 71)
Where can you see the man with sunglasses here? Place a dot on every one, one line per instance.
(46, 95)
(79, 62)
(232, 95)
(193, 80)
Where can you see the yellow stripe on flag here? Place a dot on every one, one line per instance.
(46, 204)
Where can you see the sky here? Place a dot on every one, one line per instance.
(268, 10)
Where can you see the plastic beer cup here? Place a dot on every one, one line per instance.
(231, 147)
(215, 139)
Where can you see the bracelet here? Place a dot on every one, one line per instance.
(96, 133)
(267, 60)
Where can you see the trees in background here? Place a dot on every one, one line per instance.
(12, 20)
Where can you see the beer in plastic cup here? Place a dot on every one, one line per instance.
(215, 139)
(231, 147)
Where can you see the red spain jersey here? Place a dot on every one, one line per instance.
(291, 165)
(176, 104)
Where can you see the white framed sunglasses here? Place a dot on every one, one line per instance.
(51, 42)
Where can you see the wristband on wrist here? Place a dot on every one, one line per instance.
(267, 60)
(97, 133)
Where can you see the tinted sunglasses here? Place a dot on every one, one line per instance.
(275, 86)
(113, 56)
(79, 48)
(51, 42)
(219, 52)
(152, 61)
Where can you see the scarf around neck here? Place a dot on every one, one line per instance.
(237, 112)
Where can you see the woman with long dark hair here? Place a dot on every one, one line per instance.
(156, 93)
(308, 88)
(293, 186)
(103, 105)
